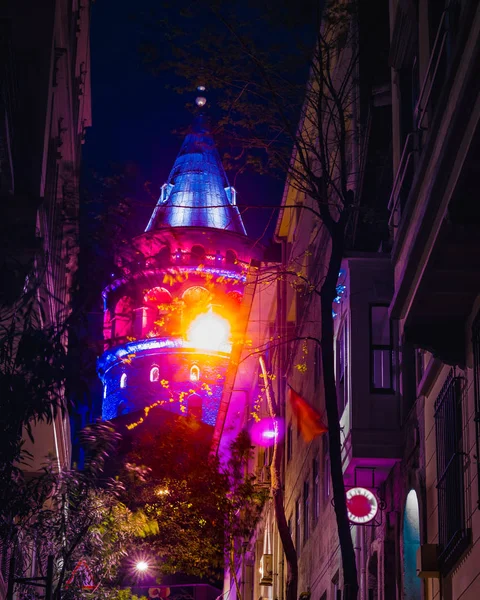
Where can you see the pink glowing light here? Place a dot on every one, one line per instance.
(267, 431)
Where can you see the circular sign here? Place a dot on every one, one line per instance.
(362, 505)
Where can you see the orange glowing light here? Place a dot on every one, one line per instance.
(209, 331)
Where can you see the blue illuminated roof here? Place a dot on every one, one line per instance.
(197, 193)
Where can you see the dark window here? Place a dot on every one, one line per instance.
(342, 367)
(306, 510)
(337, 592)
(326, 469)
(381, 349)
(289, 441)
(298, 524)
(197, 254)
(230, 257)
(476, 377)
(419, 363)
(452, 534)
(317, 373)
(316, 490)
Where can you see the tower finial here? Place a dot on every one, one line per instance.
(200, 100)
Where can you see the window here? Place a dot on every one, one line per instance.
(317, 371)
(154, 374)
(306, 510)
(197, 254)
(298, 524)
(342, 367)
(381, 350)
(289, 441)
(194, 373)
(452, 533)
(326, 469)
(230, 257)
(123, 380)
(316, 491)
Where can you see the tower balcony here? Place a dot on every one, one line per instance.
(166, 372)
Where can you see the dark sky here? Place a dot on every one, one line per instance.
(134, 116)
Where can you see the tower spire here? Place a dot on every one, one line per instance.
(197, 192)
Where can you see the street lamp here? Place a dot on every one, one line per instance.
(209, 331)
(142, 566)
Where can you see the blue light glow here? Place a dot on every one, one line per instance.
(110, 357)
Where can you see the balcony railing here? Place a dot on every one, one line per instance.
(453, 535)
(424, 106)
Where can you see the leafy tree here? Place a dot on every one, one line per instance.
(72, 515)
(201, 507)
(33, 370)
(256, 70)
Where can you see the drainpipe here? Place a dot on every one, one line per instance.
(363, 568)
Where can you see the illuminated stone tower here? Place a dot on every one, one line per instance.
(173, 314)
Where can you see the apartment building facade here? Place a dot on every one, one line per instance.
(406, 328)
(45, 111)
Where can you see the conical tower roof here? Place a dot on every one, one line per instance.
(197, 193)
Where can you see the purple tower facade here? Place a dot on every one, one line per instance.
(172, 318)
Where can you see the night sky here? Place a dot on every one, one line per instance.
(134, 118)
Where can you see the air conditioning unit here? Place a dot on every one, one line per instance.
(427, 561)
(266, 570)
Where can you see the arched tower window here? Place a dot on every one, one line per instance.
(194, 373)
(230, 257)
(197, 254)
(123, 380)
(411, 543)
(196, 296)
(154, 374)
(123, 317)
(195, 406)
(157, 296)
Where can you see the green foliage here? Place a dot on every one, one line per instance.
(198, 504)
(74, 515)
(33, 371)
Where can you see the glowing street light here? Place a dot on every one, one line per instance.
(142, 566)
(209, 331)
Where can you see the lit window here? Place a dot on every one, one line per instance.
(104, 391)
(381, 349)
(194, 373)
(154, 374)
(123, 380)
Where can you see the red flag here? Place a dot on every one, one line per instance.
(309, 420)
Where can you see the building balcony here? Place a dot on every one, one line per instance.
(437, 223)
(366, 370)
(437, 258)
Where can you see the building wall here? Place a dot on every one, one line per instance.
(432, 250)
